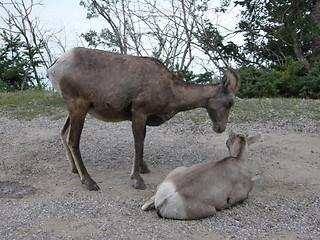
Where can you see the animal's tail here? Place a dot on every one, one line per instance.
(51, 66)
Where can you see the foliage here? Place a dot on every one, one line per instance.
(15, 72)
(105, 38)
(213, 44)
(280, 55)
(281, 49)
(190, 76)
(24, 45)
(257, 83)
(279, 29)
(175, 31)
(288, 80)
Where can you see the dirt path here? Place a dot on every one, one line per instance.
(284, 203)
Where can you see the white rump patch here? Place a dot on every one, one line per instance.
(170, 203)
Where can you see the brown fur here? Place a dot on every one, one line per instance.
(114, 87)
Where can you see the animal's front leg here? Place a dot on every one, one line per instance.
(144, 167)
(139, 133)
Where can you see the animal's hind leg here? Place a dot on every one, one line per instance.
(149, 205)
(196, 210)
(64, 135)
(77, 118)
(139, 133)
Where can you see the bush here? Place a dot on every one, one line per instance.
(288, 80)
(310, 83)
(257, 83)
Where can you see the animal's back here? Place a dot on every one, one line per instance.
(200, 190)
(211, 182)
(104, 69)
(112, 82)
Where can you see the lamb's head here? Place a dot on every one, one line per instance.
(219, 106)
(238, 143)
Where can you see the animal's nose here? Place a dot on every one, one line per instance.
(219, 129)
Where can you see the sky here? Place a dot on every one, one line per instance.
(68, 20)
(67, 15)
(70, 17)
(57, 15)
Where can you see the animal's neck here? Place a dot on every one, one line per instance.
(189, 96)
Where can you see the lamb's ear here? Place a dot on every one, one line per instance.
(215, 80)
(231, 78)
(231, 134)
(254, 139)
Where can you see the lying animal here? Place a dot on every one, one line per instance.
(200, 190)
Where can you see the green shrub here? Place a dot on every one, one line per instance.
(257, 83)
(287, 80)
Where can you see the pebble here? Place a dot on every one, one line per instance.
(114, 213)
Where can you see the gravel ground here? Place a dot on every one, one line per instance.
(41, 199)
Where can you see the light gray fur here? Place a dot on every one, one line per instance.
(200, 190)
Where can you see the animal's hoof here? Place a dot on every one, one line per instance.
(91, 185)
(93, 188)
(141, 186)
(138, 182)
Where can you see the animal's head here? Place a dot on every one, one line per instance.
(238, 142)
(219, 106)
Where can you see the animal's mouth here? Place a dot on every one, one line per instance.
(218, 129)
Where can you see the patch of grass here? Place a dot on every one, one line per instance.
(196, 115)
(30, 104)
(277, 109)
(265, 110)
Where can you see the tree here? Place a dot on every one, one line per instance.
(278, 29)
(282, 48)
(178, 32)
(14, 68)
(36, 43)
(151, 31)
(20, 22)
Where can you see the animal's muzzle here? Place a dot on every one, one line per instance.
(218, 129)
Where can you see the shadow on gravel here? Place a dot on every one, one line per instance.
(15, 190)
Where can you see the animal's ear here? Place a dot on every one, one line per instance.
(215, 80)
(254, 139)
(232, 134)
(231, 79)
(230, 138)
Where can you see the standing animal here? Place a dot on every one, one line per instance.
(114, 87)
(200, 190)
